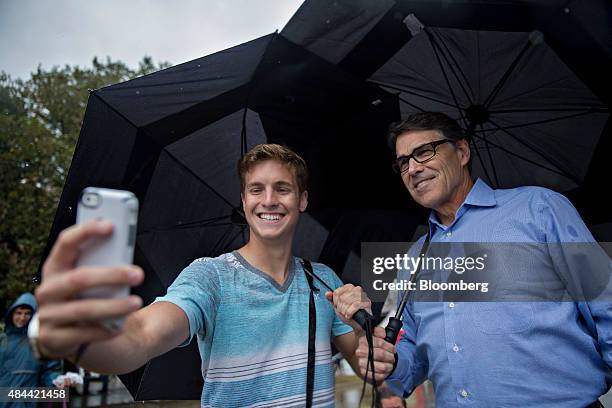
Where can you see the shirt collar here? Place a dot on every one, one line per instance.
(481, 195)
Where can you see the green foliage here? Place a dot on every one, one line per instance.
(40, 119)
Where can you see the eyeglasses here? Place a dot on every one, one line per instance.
(421, 154)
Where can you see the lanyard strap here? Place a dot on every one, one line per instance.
(424, 250)
(395, 322)
(312, 334)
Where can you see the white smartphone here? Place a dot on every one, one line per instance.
(121, 208)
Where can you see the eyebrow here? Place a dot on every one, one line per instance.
(278, 184)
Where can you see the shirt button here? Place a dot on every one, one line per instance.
(464, 393)
(451, 305)
(455, 348)
(448, 234)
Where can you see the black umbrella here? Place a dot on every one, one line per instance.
(325, 88)
(174, 138)
(527, 80)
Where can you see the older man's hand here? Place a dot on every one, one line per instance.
(347, 300)
(384, 356)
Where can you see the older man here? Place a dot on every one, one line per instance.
(493, 354)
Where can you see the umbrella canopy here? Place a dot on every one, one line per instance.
(327, 86)
(527, 80)
(174, 138)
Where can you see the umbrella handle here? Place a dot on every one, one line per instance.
(392, 330)
(362, 317)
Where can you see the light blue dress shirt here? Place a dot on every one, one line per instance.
(508, 354)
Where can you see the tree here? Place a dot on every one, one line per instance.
(40, 119)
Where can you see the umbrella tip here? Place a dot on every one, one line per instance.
(413, 24)
(536, 37)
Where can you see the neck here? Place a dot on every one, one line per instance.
(271, 258)
(446, 213)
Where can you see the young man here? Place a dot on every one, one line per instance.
(249, 308)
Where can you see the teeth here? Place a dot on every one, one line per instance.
(270, 217)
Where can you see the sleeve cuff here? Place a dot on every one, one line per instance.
(399, 373)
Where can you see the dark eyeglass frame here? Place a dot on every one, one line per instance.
(396, 165)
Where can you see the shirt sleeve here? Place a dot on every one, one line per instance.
(583, 265)
(338, 326)
(410, 371)
(197, 292)
(49, 370)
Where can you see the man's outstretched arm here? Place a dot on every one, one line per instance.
(67, 322)
(147, 333)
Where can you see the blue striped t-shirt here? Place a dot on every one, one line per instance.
(253, 333)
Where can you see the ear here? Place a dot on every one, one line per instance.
(463, 147)
(303, 201)
(242, 198)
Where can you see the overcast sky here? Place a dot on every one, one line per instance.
(58, 32)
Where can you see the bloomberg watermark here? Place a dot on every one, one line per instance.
(469, 271)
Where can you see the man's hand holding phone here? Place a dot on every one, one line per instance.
(66, 322)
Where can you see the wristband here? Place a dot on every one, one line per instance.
(33, 329)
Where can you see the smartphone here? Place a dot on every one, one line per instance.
(121, 208)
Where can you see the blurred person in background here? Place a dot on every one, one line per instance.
(389, 400)
(18, 367)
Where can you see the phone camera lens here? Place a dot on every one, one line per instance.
(91, 200)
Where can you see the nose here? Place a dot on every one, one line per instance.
(270, 198)
(414, 167)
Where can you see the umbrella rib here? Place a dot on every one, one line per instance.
(594, 109)
(487, 146)
(482, 164)
(450, 89)
(109, 106)
(478, 65)
(198, 223)
(551, 161)
(243, 133)
(411, 104)
(199, 178)
(405, 90)
(211, 221)
(504, 78)
(511, 153)
(205, 224)
(144, 373)
(450, 55)
(240, 231)
(527, 92)
(218, 244)
(539, 122)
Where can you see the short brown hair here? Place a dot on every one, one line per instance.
(283, 154)
(438, 121)
(447, 126)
